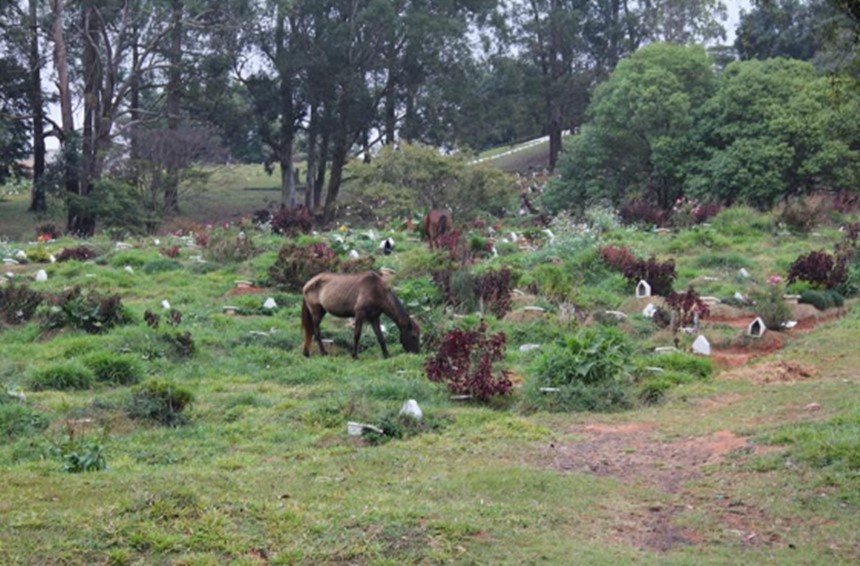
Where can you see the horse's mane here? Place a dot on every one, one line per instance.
(402, 314)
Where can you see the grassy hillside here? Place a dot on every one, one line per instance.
(756, 463)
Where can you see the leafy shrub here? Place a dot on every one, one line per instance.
(18, 303)
(62, 377)
(17, 420)
(114, 368)
(720, 260)
(397, 426)
(464, 362)
(38, 255)
(771, 307)
(229, 245)
(618, 258)
(152, 319)
(820, 269)
(78, 253)
(493, 290)
(687, 308)
(687, 212)
(639, 211)
(82, 455)
(93, 312)
(457, 288)
(359, 265)
(171, 252)
(659, 274)
(292, 221)
(159, 401)
(553, 282)
(48, 229)
(680, 362)
(653, 389)
(801, 213)
(181, 343)
(297, 264)
(590, 369)
(822, 300)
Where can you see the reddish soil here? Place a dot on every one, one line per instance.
(633, 454)
(772, 372)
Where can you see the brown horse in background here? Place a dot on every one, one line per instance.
(366, 297)
(437, 223)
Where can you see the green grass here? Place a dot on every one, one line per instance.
(263, 467)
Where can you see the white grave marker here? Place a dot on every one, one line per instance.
(643, 289)
(756, 328)
(701, 346)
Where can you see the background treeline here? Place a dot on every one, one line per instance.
(148, 90)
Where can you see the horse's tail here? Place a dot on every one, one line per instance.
(307, 327)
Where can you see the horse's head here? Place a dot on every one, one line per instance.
(410, 337)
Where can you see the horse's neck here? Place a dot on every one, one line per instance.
(398, 315)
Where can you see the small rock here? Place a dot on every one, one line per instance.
(701, 346)
(357, 429)
(353, 254)
(529, 347)
(665, 349)
(789, 324)
(739, 297)
(649, 310)
(270, 304)
(10, 261)
(129, 269)
(549, 389)
(533, 309)
(411, 409)
(743, 272)
(654, 369)
(41, 275)
(123, 246)
(812, 407)
(165, 304)
(52, 258)
(21, 255)
(617, 314)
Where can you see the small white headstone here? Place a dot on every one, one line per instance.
(649, 310)
(52, 258)
(643, 289)
(514, 237)
(9, 275)
(383, 329)
(743, 272)
(495, 252)
(701, 346)
(129, 269)
(157, 242)
(270, 304)
(353, 254)
(549, 234)
(529, 347)
(756, 328)
(411, 409)
(165, 304)
(739, 297)
(20, 254)
(41, 275)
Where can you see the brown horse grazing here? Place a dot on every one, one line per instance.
(437, 223)
(366, 297)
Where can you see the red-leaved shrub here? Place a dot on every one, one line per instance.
(820, 268)
(659, 274)
(493, 290)
(687, 307)
(618, 258)
(79, 253)
(291, 221)
(464, 363)
(172, 251)
(297, 264)
(640, 211)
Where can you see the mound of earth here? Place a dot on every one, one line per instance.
(772, 372)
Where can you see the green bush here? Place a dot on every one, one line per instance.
(38, 255)
(822, 300)
(161, 402)
(18, 303)
(230, 245)
(697, 367)
(17, 420)
(590, 370)
(553, 281)
(116, 369)
(771, 307)
(652, 390)
(80, 456)
(65, 376)
(720, 260)
(400, 427)
(91, 312)
(161, 265)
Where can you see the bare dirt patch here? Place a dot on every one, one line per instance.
(239, 291)
(632, 453)
(772, 372)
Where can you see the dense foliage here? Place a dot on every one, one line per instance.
(464, 362)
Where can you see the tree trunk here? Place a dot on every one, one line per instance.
(174, 99)
(285, 95)
(61, 64)
(391, 104)
(323, 163)
(341, 149)
(37, 200)
(81, 220)
(134, 104)
(312, 152)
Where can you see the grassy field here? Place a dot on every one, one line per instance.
(735, 468)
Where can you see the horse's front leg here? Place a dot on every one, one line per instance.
(359, 322)
(374, 323)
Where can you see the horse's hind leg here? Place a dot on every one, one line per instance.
(374, 323)
(318, 313)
